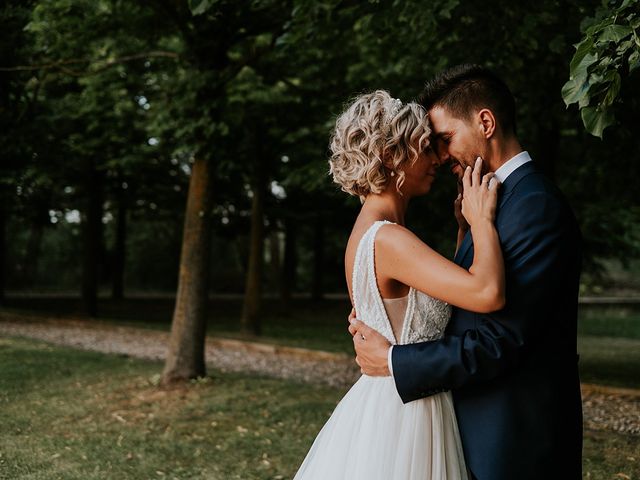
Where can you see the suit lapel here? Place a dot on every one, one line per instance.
(464, 247)
(515, 177)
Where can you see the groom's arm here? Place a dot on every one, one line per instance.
(536, 245)
(426, 368)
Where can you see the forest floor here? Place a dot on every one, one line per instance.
(605, 407)
(608, 334)
(76, 414)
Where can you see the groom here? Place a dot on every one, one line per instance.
(513, 373)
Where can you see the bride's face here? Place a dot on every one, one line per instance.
(419, 176)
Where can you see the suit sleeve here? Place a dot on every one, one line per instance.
(537, 237)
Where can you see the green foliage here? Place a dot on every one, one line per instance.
(198, 7)
(259, 84)
(609, 49)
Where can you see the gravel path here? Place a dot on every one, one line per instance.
(604, 408)
(336, 370)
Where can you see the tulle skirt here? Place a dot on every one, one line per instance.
(372, 435)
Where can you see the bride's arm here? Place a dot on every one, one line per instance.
(405, 258)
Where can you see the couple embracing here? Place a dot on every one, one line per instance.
(469, 367)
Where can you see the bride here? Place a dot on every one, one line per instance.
(402, 288)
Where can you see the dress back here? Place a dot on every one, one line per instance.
(425, 317)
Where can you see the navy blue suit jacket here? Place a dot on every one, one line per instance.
(514, 373)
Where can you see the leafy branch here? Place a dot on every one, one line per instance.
(62, 65)
(609, 50)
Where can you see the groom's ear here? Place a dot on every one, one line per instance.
(487, 122)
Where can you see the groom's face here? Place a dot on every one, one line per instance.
(456, 140)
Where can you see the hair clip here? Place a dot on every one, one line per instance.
(396, 105)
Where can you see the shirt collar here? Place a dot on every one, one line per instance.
(511, 165)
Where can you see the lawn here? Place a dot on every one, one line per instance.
(608, 337)
(609, 345)
(69, 414)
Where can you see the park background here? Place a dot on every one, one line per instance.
(164, 179)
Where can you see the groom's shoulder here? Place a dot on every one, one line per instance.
(537, 184)
(537, 195)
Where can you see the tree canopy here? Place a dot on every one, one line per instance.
(106, 105)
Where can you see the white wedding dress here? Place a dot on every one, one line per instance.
(372, 435)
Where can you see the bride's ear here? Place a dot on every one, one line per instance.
(388, 167)
(487, 122)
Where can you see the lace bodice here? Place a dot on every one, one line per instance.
(425, 318)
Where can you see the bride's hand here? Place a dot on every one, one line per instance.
(480, 194)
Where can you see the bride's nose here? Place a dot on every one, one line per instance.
(438, 160)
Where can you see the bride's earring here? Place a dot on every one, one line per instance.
(393, 174)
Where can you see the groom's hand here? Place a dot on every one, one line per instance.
(371, 349)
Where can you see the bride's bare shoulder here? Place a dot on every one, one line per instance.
(393, 236)
(360, 227)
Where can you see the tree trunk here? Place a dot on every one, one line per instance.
(289, 264)
(317, 289)
(119, 249)
(186, 358)
(92, 239)
(250, 321)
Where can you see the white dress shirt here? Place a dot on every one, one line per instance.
(506, 169)
(511, 165)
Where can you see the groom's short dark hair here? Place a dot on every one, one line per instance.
(466, 88)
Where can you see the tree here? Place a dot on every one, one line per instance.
(125, 105)
(91, 111)
(222, 43)
(17, 105)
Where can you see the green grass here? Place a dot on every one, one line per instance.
(608, 455)
(609, 345)
(79, 415)
(69, 414)
(609, 361)
(608, 337)
(609, 321)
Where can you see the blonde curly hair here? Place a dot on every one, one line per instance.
(376, 130)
